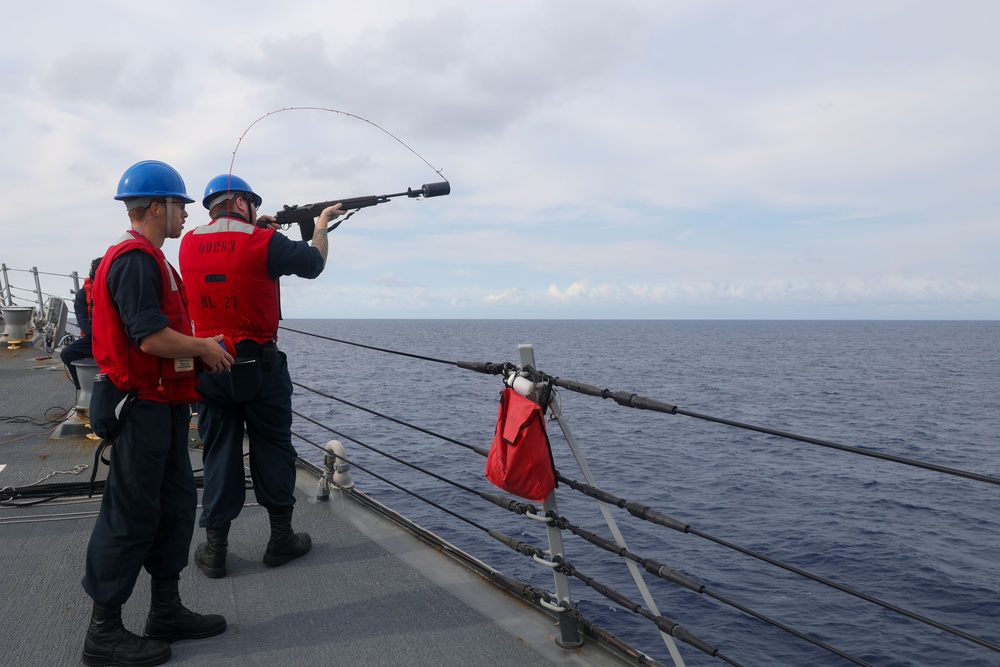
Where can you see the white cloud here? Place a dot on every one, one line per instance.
(577, 290)
(513, 296)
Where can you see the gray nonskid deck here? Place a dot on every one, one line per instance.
(368, 592)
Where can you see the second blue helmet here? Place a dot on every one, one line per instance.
(228, 183)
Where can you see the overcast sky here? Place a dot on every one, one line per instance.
(620, 159)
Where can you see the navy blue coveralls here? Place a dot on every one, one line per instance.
(150, 500)
(80, 348)
(255, 397)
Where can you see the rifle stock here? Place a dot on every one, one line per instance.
(304, 214)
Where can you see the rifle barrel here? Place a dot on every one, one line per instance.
(305, 213)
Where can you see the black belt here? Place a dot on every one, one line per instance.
(251, 349)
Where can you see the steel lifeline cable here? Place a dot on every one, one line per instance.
(633, 400)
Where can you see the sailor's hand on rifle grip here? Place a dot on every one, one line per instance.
(268, 221)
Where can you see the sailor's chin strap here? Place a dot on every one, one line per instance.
(170, 217)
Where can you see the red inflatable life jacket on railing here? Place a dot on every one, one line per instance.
(520, 458)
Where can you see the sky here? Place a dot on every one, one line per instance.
(625, 159)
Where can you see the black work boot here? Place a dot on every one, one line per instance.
(210, 556)
(109, 643)
(169, 620)
(285, 544)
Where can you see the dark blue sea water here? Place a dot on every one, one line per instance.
(924, 541)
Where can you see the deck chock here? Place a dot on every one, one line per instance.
(336, 470)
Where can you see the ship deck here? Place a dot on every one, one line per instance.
(368, 593)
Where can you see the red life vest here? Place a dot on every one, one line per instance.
(88, 291)
(156, 379)
(224, 264)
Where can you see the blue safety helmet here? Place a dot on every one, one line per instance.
(152, 179)
(227, 183)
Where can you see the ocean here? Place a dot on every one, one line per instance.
(921, 540)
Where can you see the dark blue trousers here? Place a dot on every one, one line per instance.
(80, 348)
(149, 504)
(254, 397)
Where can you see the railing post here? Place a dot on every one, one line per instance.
(76, 281)
(633, 569)
(569, 633)
(5, 288)
(38, 290)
